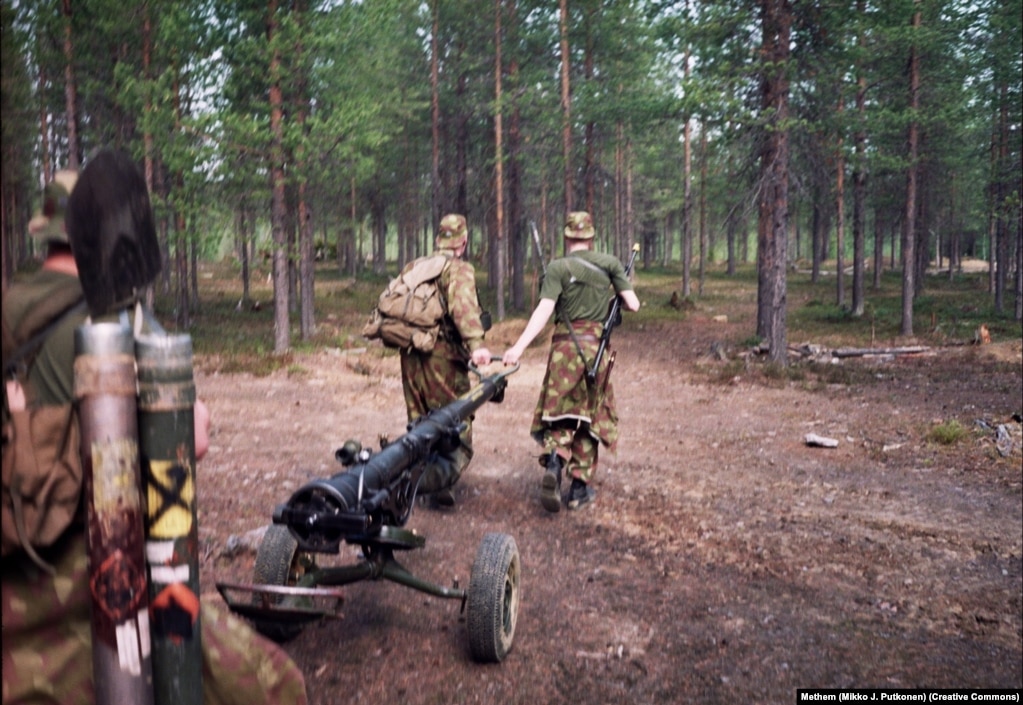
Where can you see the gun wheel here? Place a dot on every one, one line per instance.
(494, 598)
(278, 562)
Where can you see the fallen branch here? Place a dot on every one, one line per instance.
(863, 352)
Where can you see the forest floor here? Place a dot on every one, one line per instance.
(725, 559)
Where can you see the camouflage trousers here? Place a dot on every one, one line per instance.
(430, 381)
(47, 641)
(573, 416)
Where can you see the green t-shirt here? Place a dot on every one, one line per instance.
(579, 283)
(51, 377)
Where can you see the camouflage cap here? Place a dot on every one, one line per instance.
(453, 231)
(579, 225)
(48, 223)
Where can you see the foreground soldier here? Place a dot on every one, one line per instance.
(434, 379)
(46, 622)
(574, 415)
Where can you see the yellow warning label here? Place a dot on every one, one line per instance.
(170, 490)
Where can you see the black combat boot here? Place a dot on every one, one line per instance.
(580, 494)
(550, 486)
(442, 498)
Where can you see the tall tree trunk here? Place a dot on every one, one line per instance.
(354, 244)
(516, 221)
(306, 245)
(44, 117)
(731, 235)
(147, 137)
(183, 318)
(243, 253)
(307, 254)
(622, 245)
(566, 105)
(74, 157)
(860, 180)
(147, 107)
(992, 219)
(840, 213)
(461, 147)
(687, 202)
(776, 18)
(909, 263)
(278, 202)
(1018, 308)
(378, 225)
(619, 182)
(435, 185)
(1002, 207)
(704, 249)
(498, 251)
(954, 257)
(589, 133)
(878, 249)
(180, 223)
(821, 226)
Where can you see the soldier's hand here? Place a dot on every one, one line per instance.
(481, 357)
(511, 356)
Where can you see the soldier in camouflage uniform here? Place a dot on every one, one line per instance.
(573, 417)
(47, 631)
(434, 379)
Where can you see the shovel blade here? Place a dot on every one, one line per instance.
(113, 238)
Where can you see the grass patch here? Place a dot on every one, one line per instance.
(948, 433)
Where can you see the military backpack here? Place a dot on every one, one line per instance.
(42, 468)
(410, 311)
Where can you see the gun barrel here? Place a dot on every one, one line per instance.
(379, 490)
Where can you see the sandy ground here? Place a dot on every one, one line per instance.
(725, 560)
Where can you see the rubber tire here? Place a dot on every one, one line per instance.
(494, 598)
(274, 560)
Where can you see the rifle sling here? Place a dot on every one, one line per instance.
(30, 346)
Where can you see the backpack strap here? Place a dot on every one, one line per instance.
(593, 268)
(13, 362)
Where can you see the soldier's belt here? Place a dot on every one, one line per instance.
(562, 337)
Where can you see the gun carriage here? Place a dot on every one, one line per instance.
(367, 505)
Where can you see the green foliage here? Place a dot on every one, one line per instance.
(359, 74)
(948, 433)
(16, 106)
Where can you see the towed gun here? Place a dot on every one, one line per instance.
(379, 489)
(366, 505)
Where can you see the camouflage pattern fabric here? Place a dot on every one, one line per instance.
(47, 641)
(430, 381)
(458, 282)
(572, 415)
(580, 446)
(435, 379)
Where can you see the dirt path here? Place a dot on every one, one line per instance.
(725, 560)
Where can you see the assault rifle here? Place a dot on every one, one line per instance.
(366, 505)
(614, 318)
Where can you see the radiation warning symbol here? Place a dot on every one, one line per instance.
(171, 495)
